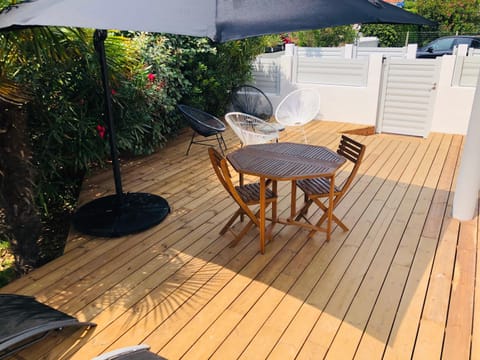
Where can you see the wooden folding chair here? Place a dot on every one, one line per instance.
(244, 195)
(318, 188)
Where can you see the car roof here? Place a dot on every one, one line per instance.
(423, 51)
(458, 36)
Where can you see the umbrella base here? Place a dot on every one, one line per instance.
(119, 215)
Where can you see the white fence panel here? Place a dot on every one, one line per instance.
(365, 52)
(266, 73)
(323, 52)
(407, 110)
(345, 72)
(466, 71)
(474, 52)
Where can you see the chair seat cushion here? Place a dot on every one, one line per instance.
(317, 186)
(251, 193)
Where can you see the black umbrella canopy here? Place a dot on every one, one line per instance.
(219, 20)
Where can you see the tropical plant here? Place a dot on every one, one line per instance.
(334, 36)
(52, 102)
(209, 71)
(388, 35)
(462, 16)
(18, 50)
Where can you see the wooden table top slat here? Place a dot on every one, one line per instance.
(286, 161)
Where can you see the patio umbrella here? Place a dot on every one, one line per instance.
(219, 20)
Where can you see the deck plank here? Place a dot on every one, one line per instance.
(406, 228)
(358, 285)
(460, 312)
(441, 230)
(264, 341)
(401, 283)
(389, 233)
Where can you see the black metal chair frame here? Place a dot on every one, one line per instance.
(204, 124)
(25, 321)
(241, 106)
(137, 352)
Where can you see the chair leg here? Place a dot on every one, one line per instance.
(247, 227)
(304, 134)
(241, 234)
(304, 210)
(322, 219)
(231, 221)
(334, 219)
(191, 142)
(221, 143)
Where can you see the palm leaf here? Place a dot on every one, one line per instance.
(12, 93)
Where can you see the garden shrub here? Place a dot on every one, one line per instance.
(149, 75)
(199, 72)
(334, 36)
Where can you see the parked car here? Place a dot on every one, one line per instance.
(445, 45)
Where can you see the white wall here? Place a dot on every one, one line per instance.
(359, 104)
(353, 104)
(453, 104)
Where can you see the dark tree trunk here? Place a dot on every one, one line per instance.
(16, 188)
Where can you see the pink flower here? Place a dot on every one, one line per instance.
(151, 77)
(101, 131)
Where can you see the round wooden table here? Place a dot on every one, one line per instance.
(288, 162)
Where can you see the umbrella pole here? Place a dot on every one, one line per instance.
(99, 37)
(121, 213)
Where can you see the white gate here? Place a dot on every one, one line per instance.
(408, 96)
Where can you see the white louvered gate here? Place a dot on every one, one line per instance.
(407, 96)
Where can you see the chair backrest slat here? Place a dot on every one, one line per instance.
(350, 149)
(353, 151)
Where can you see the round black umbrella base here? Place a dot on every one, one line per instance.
(119, 215)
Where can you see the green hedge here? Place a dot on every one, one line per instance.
(150, 75)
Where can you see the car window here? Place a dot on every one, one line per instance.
(463, 41)
(475, 44)
(441, 44)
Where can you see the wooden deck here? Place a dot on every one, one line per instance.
(399, 285)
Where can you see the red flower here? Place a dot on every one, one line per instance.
(101, 131)
(151, 77)
(114, 92)
(286, 39)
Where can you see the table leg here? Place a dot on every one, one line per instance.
(293, 200)
(241, 182)
(330, 207)
(274, 205)
(262, 214)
